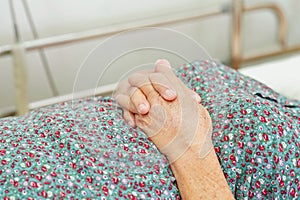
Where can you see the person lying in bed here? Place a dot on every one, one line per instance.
(246, 147)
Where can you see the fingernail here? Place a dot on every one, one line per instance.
(163, 62)
(170, 93)
(142, 108)
(196, 97)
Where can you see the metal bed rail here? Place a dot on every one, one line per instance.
(103, 90)
(114, 29)
(238, 10)
(43, 43)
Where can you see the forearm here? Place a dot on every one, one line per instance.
(200, 178)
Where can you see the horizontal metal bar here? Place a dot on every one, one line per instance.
(113, 29)
(100, 91)
(282, 32)
(238, 12)
(97, 33)
(8, 111)
(269, 54)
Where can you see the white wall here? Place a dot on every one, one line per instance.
(53, 17)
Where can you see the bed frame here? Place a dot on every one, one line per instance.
(18, 50)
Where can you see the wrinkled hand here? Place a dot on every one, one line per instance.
(175, 125)
(134, 101)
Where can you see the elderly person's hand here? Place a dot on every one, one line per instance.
(173, 120)
(134, 101)
(179, 126)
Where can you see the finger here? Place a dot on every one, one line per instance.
(142, 82)
(163, 66)
(153, 122)
(139, 100)
(129, 118)
(163, 86)
(196, 96)
(122, 88)
(163, 62)
(125, 102)
(145, 71)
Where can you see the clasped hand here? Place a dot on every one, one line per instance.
(167, 111)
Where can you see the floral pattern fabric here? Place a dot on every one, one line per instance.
(82, 149)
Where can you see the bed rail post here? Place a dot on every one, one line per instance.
(282, 32)
(238, 11)
(236, 48)
(19, 63)
(20, 78)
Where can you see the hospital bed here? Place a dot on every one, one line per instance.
(237, 10)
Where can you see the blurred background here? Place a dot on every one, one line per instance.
(59, 17)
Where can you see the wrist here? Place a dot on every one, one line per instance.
(192, 156)
(198, 147)
(198, 178)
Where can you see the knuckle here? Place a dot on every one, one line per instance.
(157, 77)
(116, 94)
(143, 121)
(133, 91)
(122, 86)
(137, 79)
(159, 80)
(118, 98)
(153, 96)
(136, 97)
